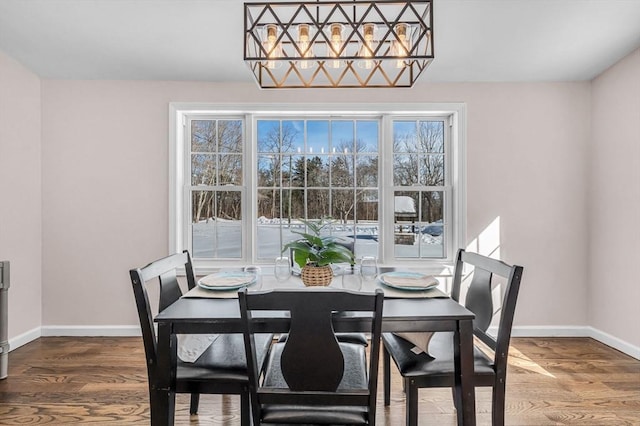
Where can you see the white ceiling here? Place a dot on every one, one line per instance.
(202, 40)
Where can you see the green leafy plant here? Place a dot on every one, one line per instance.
(317, 250)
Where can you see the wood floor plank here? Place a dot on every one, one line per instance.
(551, 381)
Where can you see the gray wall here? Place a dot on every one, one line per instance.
(614, 202)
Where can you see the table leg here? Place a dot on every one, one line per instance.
(386, 369)
(163, 398)
(464, 388)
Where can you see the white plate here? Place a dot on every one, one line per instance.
(430, 282)
(227, 280)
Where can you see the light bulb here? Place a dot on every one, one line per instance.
(305, 47)
(273, 49)
(335, 46)
(368, 47)
(401, 45)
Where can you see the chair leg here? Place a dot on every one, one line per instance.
(456, 397)
(457, 403)
(163, 407)
(498, 404)
(195, 402)
(245, 410)
(386, 368)
(411, 402)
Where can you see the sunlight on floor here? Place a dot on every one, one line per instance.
(518, 359)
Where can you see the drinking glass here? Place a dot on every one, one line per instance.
(256, 271)
(368, 268)
(282, 268)
(352, 281)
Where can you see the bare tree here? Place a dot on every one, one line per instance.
(277, 141)
(431, 140)
(203, 137)
(342, 176)
(216, 159)
(419, 160)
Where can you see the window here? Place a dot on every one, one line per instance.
(214, 166)
(242, 180)
(420, 191)
(317, 168)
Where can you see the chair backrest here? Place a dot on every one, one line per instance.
(479, 299)
(312, 362)
(164, 272)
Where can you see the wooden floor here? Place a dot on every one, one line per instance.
(561, 381)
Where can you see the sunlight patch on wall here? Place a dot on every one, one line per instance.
(487, 243)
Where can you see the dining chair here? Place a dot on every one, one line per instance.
(360, 338)
(221, 369)
(436, 368)
(312, 378)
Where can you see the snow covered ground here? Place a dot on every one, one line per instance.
(223, 238)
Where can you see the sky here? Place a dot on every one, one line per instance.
(326, 136)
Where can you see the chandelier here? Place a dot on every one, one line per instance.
(324, 44)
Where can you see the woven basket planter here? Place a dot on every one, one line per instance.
(317, 275)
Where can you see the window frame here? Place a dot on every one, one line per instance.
(454, 115)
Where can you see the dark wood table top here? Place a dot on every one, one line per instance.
(192, 315)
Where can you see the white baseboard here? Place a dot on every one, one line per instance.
(24, 338)
(550, 331)
(614, 342)
(518, 331)
(574, 331)
(92, 331)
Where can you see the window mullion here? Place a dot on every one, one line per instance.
(386, 192)
(250, 188)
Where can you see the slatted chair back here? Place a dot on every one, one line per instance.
(479, 300)
(312, 362)
(164, 273)
(220, 369)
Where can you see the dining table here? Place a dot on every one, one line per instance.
(201, 311)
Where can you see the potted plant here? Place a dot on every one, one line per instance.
(315, 253)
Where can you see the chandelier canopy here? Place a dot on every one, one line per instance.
(356, 43)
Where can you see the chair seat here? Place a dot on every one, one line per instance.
(358, 338)
(224, 360)
(353, 378)
(304, 414)
(414, 365)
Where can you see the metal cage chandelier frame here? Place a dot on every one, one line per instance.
(349, 44)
